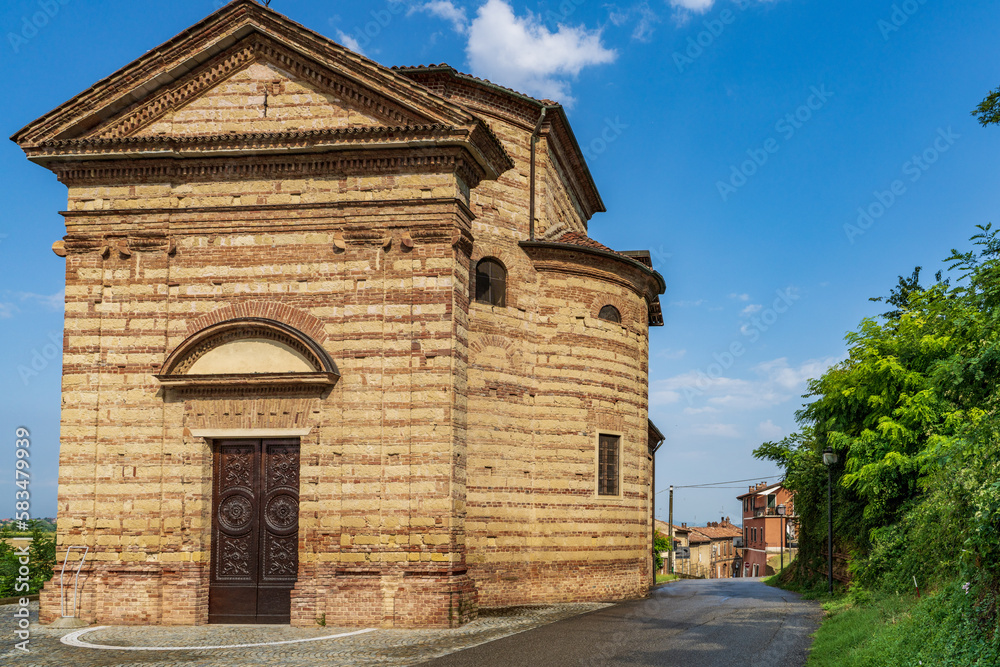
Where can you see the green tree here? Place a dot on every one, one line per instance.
(988, 110)
(912, 412)
(661, 543)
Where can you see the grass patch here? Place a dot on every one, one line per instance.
(862, 629)
(663, 578)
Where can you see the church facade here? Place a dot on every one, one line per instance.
(337, 345)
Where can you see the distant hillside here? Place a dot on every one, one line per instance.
(48, 524)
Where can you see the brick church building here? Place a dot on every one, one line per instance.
(337, 344)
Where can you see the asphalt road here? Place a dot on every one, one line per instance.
(688, 623)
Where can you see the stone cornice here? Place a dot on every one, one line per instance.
(244, 382)
(372, 159)
(655, 278)
(381, 205)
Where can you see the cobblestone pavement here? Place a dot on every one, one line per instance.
(379, 647)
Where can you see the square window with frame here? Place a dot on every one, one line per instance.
(608, 465)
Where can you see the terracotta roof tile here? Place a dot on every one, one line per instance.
(405, 68)
(664, 527)
(719, 532)
(696, 537)
(586, 241)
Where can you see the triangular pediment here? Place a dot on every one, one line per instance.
(177, 73)
(248, 78)
(244, 91)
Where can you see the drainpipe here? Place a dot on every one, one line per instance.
(531, 178)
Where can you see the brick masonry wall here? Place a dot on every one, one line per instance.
(545, 377)
(378, 489)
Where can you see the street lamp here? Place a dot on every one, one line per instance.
(829, 459)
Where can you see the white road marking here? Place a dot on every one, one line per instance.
(73, 639)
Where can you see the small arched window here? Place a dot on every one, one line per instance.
(610, 314)
(491, 282)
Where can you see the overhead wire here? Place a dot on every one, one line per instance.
(716, 485)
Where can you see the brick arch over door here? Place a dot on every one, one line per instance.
(268, 310)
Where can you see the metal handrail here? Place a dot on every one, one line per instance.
(76, 581)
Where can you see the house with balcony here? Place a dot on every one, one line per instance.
(769, 525)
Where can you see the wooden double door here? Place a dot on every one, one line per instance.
(255, 531)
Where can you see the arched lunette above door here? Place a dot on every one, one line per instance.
(248, 352)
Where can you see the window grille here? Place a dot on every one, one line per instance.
(607, 465)
(491, 282)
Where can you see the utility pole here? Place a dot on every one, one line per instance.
(782, 511)
(670, 526)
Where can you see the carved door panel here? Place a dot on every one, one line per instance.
(255, 520)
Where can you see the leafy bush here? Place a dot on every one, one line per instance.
(42, 560)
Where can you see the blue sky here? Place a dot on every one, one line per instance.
(735, 140)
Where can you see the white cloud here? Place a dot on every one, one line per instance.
(445, 10)
(349, 42)
(646, 20)
(740, 297)
(770, 431)
(618, 17)
(53, 302)
(643, 30)
(523, 54)
(664, 397)
(775, 382)
(687, 304)
(779, 373)
(708, 409)
(699, 6)
(668, 353)
(752, 308)
(7, 310)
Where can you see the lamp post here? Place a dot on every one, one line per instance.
(829, 459)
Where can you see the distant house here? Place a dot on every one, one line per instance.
(699, 565)
(680, 540)
(713, 553)
(723, 556)
(763, 526)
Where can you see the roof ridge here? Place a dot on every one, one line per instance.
(466, 75)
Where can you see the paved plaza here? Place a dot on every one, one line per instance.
(302, 646)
